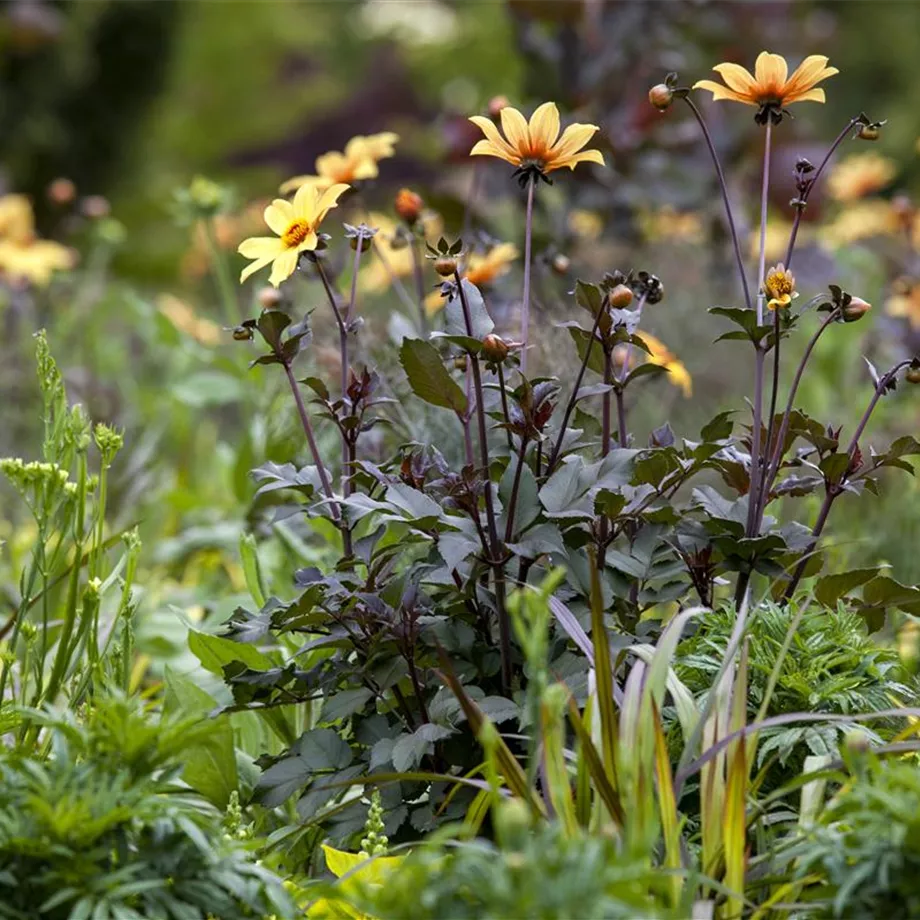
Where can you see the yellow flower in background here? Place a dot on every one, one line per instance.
(669, 224)
(779, 287)
(905, 301)
(861, 220)
(860, 175)
(24, 258)
(296, 223)
(393, 253)
(482, 268)
(664, 357)
(587, 224)
(777, 240)
(359, 161)
(538, 142)
(770, 87)
(363, 874)
(184, 318)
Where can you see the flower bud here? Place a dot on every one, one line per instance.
(409, 205)
(270, 297)
(445, 266)
(494, 349)
(95, 206)
(62, 191)
(661, 96)
(242, 333)
(561, 264)
(868, 133)
(912, 375)
(460, 362)
(496, 104)
(621, 297)
(366, 243)
(855, 310)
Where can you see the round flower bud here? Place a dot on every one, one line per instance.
(445, 266)
(62, 191)
(620, 297)
(912, 375)
(242, 333)
(95, 206)
(494, 349)
(270, 297)
(561, 264)
(496, 104)
(868, 132)
(409, 205)
(460, 362)
(366, 243)
(661, 96)
(855, 310)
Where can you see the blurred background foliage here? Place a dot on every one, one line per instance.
(131, 100)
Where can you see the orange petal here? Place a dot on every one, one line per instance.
(770, 70)
(487, 148)
(722, 92)
(813, 95)
(573, 139)
(544, 126)
(736, 77)
(487, 126)
(515, 128)
(586, 156)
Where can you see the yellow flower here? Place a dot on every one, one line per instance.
(482, 268)
(860, 175)
(769, 87)
(779, 286)
(393, 259)
(905, 302)
(538, 143)
(862, 220)
(359, 161)
(661, 355)
(16, 219)
(363, 874)
(668, 223)
(589, 225)
(24, 257)
(184, 318)
(296, 223)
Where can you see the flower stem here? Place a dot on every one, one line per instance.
(221, 270)
(515, 488)
(505, 412)
(419, 284)
(525, 299)
(761, 497)
(729, 216)
(340, 322)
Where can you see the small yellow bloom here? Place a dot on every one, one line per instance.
(770, 87)
(671, 225)
(296, 223)
(861, 220)
(23, 257)
(392, 259)
(482, 268)
(538, 142)
(905, 302)
(779, 287)
(589, 225)
(184, 318)
(860, 175)
(16, 218)
(359, 161)
(661, 355)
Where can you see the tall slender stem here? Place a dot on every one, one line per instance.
(515, 488)
(465, 419)
(605, 404)
(419, 283)
(622, 432)
(498, 569)
(764, 203)
(525, 299)
(505, 412)
(395, 280)
(729, 216)
(763, 493)
(225, 285)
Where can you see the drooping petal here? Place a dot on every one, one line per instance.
(487, 126)
(813, 95)
(278, 215)
(283, 266)
(770, 71)
(586, 156)
(544, 127)
(573, 139)
(737, 78)
(515, 128)
(722, 92)
(335, 165)
(254, 267)
(329, 199)
(260, 247)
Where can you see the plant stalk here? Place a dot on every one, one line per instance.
(525, 299)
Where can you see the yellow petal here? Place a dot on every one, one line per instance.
(283, 266)
(278, 215)
(333, 164)
(736, 77)
(304, 203)
(722, 92)
(487, 126)
(813, 95)
(573, 139)
(293, 184)
(309, 243)
(329, 199)
(811, 71)
(770, 70)
(544, 126)
(260, 247)
(515, 128)
(487, 148)
(254, 267)
(586, 156)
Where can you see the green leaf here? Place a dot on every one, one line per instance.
(208, 388)
(588, 297)
(429, 378)
(455, 322)
(214, 652)
(719, 428)
(582, 339)
(344, 703)
(830, 588)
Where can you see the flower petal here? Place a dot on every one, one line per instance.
(486, 148)
(770, 71)
(573, 139)
(515, 128)
(487, 126)
(283, 266)
(330, 199)
(278, 215)
(304, 203)
(586, 156)
(544, 126)
(813, 95)
(809, 73)
(309, 242)
(722, 92)
(736, 77)
(260, 247)
(254, 267)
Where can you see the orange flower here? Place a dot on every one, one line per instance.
(359, 161)
(770, 88)
(860, 175)
(537, 143)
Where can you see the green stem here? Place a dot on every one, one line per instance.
(229, 302)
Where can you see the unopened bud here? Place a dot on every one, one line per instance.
(409, 205)
(912, 375)
(868, 132)
(95, 207)
(561, 264)
(270, 297)
(661, 96)
(62, 191)
(855, 310)
(242, 333)
(366, 243)
(496, 104)
(620, 297)
(460, 362)
(494, 348)
(445, 266)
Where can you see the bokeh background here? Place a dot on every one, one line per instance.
(130, 101)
